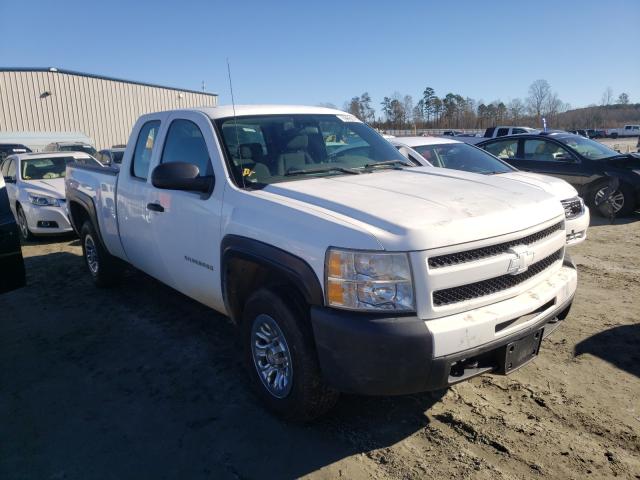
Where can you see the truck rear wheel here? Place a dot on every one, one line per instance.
(281, 358)
(105, 269)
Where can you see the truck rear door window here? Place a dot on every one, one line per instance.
(144, 149)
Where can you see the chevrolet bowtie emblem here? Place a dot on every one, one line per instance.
(521, 259)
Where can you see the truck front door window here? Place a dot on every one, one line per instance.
(185, 143)
(144, 149)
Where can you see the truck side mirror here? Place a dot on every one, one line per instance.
(181, 176)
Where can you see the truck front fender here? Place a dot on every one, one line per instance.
(271, 261)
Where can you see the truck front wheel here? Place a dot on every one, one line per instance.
(281, 358)
(105, 269)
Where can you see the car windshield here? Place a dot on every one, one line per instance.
(269, 149)
(460, 156)
(49, 168)
(79, 148)
(588, 148)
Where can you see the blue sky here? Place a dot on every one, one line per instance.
(329, 51)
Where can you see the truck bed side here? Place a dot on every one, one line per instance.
(91, 194)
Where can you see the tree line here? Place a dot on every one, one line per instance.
(454, 111)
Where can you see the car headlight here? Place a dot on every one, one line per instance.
(573, 207)
(358, 280)
(44, 201)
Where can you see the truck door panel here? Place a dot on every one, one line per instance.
(187, 232)
(132, 197)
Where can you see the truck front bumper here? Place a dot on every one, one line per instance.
(371, 354)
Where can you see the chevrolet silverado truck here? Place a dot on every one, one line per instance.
(347, 269)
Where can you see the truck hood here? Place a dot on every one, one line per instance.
(423, 208)
(53, 187)
(557, 187)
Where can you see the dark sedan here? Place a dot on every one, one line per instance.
(586, 164)
(11, 263)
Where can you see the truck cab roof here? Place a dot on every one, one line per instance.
(226, 111)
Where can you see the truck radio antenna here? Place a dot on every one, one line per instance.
(235, 125)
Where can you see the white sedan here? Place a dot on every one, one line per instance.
(35, 186)
(449, 153)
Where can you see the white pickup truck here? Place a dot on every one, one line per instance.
(626, 131)
(346, 270)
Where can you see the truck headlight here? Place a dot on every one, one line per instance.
(43, 201)
(358, 280)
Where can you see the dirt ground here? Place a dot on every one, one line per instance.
(141, 382)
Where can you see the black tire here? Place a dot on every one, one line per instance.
(25, 233)
(308, 396)
(105, 269)
(628, 202)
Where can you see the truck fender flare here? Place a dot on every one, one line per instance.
(291, 267)
(87, 204)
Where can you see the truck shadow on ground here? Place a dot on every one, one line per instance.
(617, 346)
(141, 382)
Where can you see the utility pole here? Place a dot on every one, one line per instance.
(203, 86)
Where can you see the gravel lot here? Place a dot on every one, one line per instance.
(141, 382)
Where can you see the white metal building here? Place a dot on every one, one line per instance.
(54, 100)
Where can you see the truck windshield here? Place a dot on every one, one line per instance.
(588, 148)
(268, 149)
(460, 156)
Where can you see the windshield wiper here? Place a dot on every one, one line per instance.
(304, 171)
(389, 163)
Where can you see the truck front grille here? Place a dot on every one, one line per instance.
(493, 285)
(493, 250)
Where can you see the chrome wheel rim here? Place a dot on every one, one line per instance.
(22, 221)
(616, 200)
(271, 356)
(91, 254)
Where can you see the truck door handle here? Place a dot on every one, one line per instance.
(155, 207)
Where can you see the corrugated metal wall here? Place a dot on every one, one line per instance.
(103, 109)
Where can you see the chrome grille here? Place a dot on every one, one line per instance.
(573, 207)
(493, 250)
(493, 285)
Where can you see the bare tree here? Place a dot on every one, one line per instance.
(623, 99)
(539, 93)
(516, 109)
(407, 105)
(607, 96)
